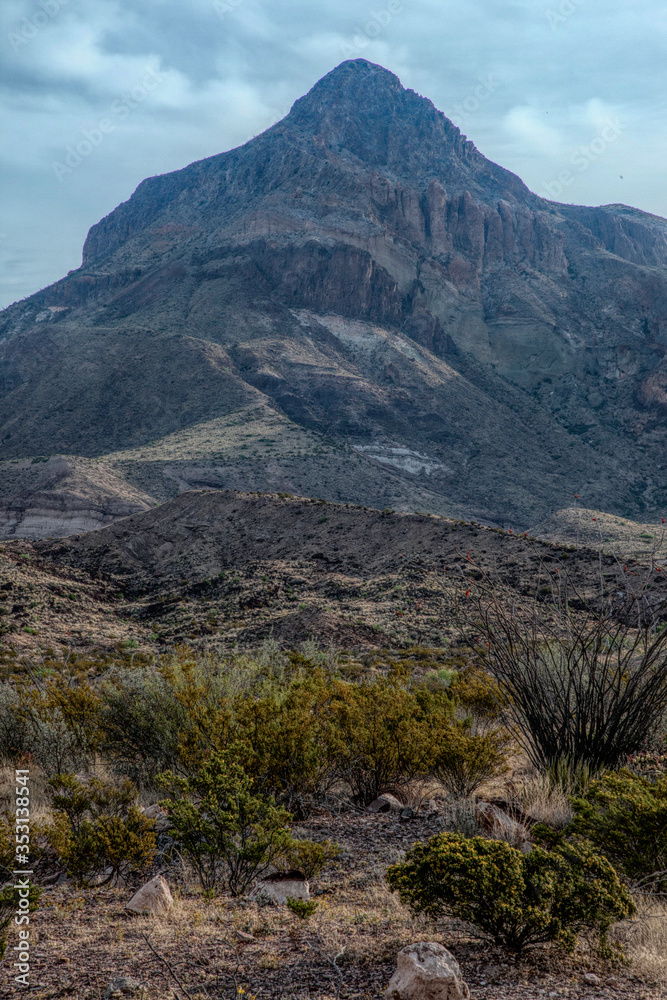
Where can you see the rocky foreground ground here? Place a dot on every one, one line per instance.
(219, 947)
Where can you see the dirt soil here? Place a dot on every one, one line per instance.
(84, 939)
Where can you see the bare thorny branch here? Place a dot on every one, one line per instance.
(585, 679)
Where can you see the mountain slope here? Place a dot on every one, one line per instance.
(438, 332)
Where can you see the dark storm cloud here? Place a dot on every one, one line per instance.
(570, 88)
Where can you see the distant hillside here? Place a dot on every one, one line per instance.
(595, 529)
(219, 568)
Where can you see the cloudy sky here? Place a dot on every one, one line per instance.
(569, 94)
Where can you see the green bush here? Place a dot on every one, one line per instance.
(464, 760)
(284, 730)
(141, 723)
(384, 733)
(625, 816)
(230, 835)
(98, 832)
(301, 908)
(309, 857)
(41, 723)
(518, 899)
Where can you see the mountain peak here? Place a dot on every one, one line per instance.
(362, 109)
(352, 75)
(360, 272)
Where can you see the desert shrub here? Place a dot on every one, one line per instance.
(76, 703)
(171, 715)
(586, 689)
(625, 816)
(284, 735)
(518, 899)
(15, 734)
(98, 832)
(48, 723)
(476, 692)
(230, 835)
(464, 760)
(308, 856)
(141, 722)
(9, 905)
(301, 908)
(54, 745)
(383, 733)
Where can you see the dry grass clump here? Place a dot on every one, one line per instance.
(645, 941)
(543, 801)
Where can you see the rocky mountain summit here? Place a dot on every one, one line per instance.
(356, 305)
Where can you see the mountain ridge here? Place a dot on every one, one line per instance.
(361, 271)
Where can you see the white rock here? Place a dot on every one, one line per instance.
(123, 986)
(591, 979)
(282, 885)
(152, 812)
(385, 803)
(426, 971)
(154, 897)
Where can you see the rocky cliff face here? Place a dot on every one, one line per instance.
(365, 273)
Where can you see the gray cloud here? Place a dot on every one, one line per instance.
(536, 85)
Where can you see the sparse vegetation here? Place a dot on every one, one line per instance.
(517, 899)
(250, 749)
(98, 831)
(230, 836)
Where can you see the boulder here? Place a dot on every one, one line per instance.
(280, 886)
(591, 979)
(123, 986)
(385, 803)
(157, 813)
(426, 971)
(154, 897)
(152, 812)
